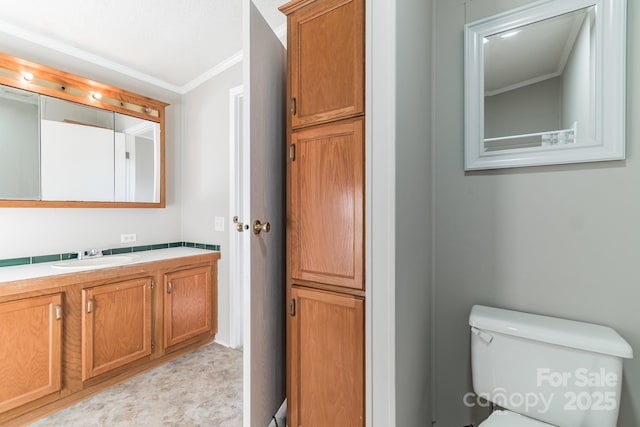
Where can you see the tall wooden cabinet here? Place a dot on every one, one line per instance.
(325, 213)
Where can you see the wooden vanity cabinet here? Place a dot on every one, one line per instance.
(326, 60)
(188, 298)
(30, 349)
(116, 325)
(113, 319)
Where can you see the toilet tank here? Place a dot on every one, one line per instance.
(558, 371)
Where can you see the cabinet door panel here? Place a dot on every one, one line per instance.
(327, 61)
(116, 325)
(326, 211)
(187, 305)
(30, 349)
(327, 361)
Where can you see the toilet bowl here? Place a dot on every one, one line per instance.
(511, 419)
(545, 371)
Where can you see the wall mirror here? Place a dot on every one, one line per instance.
(545, 84)
(70, 142)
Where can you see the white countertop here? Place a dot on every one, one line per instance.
(32, 271)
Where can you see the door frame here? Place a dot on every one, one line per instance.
(380, 214)
(239, 265)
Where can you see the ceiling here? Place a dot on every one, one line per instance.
(533, 53)
(172, 44)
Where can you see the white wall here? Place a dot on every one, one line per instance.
(38, 231)
(413, 213)
(76, 162)
(205, 186)
(556, 240)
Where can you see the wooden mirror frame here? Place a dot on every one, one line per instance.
(59, 84)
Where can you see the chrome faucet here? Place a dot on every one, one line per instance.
(91, 253)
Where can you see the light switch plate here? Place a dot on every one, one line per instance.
(219, 223)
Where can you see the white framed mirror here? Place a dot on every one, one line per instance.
(545, 84)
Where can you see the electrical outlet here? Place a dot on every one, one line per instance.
(219, 223)
(127, 238)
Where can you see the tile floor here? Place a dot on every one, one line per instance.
(203, 388)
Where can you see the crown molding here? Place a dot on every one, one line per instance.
(209, 74)
(49, 43)
(84, 55)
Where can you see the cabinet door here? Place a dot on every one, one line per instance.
(327, 359)
(116, 325)
(30, 349)
(326, 227)
(187, 305)
(326, 61)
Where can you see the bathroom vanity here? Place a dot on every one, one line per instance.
(69, 332)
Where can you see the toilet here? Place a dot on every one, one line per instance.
(544, 371)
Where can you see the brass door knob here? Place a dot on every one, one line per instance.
(258, 227)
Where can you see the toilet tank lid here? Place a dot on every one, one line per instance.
(552, 330)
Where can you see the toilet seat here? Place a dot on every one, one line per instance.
(511, 419)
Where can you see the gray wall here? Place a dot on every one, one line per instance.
(556, 240)
(205, 178)
(529, 109)
(413, 212)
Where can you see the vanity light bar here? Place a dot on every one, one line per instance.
(27, 79)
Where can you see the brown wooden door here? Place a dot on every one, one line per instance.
(327, 360)
(30, 349)
(326, 204)
(116, 325)
(187, 305)
(326, 61)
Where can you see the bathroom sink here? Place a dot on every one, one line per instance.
(98, 262)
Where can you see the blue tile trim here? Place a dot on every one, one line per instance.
(116, 251)
(45, 258)
(10, 262)
(14, 261)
